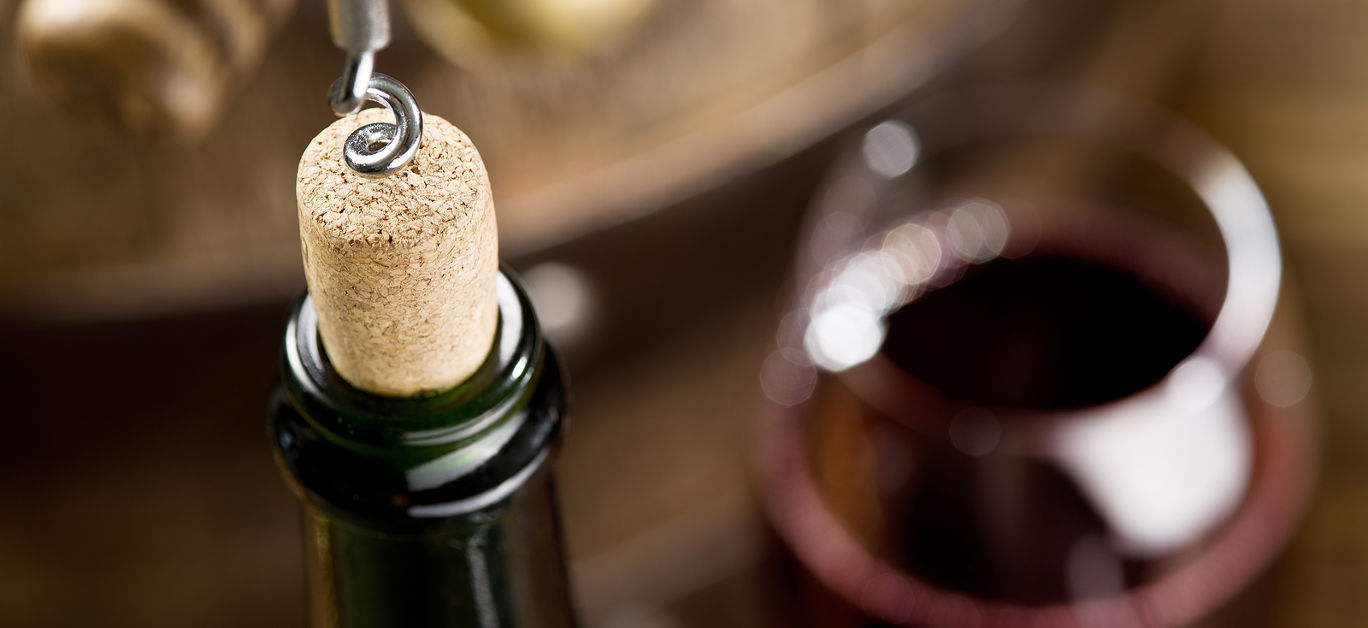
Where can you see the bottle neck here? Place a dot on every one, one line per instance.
(394, 464)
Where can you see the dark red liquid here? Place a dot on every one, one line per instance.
(1042, 332)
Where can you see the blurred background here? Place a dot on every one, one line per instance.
(653, 163)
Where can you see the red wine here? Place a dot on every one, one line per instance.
(1051, 330)
(901, 523)
(998, 449)
(1042, 332)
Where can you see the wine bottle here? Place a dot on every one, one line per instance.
(418, 405)
(431, 511)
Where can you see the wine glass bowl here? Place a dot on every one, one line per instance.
(1020, 383)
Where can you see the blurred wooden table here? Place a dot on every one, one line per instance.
(1283, 84)
(154, 502)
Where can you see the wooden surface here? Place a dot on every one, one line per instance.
(1283, 85)
(662, 527)
(102, 227)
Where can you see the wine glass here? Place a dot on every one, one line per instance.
(1036, 373)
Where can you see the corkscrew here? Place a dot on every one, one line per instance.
(361, 29)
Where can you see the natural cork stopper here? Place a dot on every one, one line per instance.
(401, 267)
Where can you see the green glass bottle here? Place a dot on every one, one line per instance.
(429, 512)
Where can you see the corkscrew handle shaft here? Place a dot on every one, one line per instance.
(360, 28)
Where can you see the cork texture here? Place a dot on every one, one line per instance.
(401, 267)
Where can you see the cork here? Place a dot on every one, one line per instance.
(401, 267)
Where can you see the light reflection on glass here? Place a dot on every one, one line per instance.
(1252, 254)
(1130, 457)
(840, 222)
(1283, 378)
(916, 250)
(843, 335)
(977, 231)
(785, 379)
(1196, 383)
(564, 299)
(891, 148)
(894, 269)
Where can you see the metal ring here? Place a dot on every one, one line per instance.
(381, 148)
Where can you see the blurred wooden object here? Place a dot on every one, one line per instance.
(159, 69)
(482, 32)
(1283, 86)
(676, 541)
(700, 93)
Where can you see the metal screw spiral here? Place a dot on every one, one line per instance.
(381, 148)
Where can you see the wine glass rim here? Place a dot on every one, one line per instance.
(1218, 179)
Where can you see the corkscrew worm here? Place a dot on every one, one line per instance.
(381, 147)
